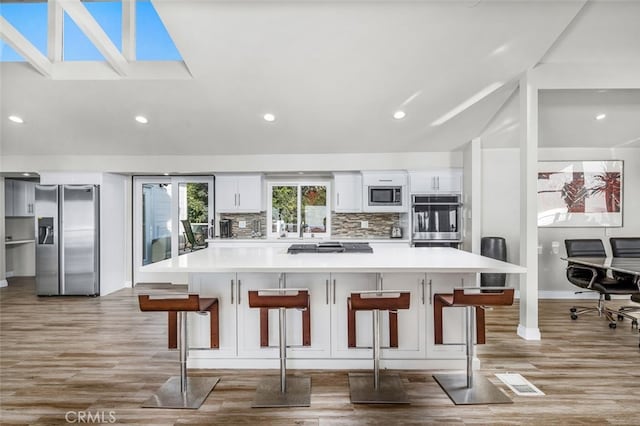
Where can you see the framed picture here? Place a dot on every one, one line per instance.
(579, 193)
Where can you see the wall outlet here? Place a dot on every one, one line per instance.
(364, 224)
(242, 224)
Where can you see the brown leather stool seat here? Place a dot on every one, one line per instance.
(367, 388)
(283, 391)
(467, 389)
(181, 391)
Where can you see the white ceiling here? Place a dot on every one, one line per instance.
(333, 73)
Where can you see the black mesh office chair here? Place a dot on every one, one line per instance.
(594, 279)
(191, 239)
(627, 247)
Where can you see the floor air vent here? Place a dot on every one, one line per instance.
(518, 384)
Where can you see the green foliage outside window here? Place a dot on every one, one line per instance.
(197, 202)
(285, 203)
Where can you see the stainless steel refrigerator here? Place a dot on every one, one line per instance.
(67, 249)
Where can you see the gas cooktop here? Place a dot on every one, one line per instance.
(330, 247)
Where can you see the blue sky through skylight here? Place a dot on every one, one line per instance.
(153, 43)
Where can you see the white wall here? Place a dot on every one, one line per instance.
(114, 240)
(500, 209)
(159, 164)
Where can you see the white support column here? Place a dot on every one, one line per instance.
(3, 279)
(129, 29)
(476, 194)
(55, 20)
(528, 327)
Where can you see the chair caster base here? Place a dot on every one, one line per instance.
(170, 396)
(482, 392)
(390, 389)
(268, 393)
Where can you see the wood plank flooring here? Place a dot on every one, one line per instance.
(104, 356)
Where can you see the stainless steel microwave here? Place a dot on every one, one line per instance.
(385, 196)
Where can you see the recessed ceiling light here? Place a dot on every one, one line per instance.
(26, 174)
(16, 119)
(166, 174)
(399, 115)
(269, 117)
(141, 119)
(601, 116)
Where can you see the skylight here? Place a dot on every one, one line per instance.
(153, 42)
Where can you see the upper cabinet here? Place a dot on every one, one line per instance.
(238, 193)
(440, 181)
(347, 193)
(19, 197)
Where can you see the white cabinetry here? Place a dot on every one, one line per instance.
(19, 198)
(341, 287)
(319, 292)
(441, 181)
(452, 318)
(249, 318)
(223, 287)
(238, 194)
(411, 322)
(347, 192)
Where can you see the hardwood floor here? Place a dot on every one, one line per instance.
(103, 356)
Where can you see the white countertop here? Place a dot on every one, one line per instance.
(290, 241)
(385, 258)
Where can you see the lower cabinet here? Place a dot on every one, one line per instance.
(223, 287)
(240, 324)
(342, 285)
(411, 322)
(452, 318)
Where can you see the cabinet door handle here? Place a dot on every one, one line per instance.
(235, 200)
(385, 180)
(334, 292)
(430, 292)
(326, 292)
(232, 292)
(239, 284)
(423, 291)
(338, 201)
(438, 183)
(238, 199)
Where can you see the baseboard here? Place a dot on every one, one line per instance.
(4, 283)
(10, 274)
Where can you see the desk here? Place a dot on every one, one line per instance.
(626, 265)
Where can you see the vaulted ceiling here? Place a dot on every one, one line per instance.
(333, 73)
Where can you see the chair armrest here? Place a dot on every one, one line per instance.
(594, 272)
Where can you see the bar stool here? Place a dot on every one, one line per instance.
(282, 391)
(376, 389)
(469, 388)
(181, 391)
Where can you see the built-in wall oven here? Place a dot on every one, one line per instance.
(436, 220)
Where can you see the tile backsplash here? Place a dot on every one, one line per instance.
(248, 218)
(348, 225)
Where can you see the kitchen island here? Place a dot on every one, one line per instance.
(228, 273)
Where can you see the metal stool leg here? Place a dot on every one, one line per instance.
(180, 391)
(283, 350)
(470, 389)
(283, 391)
(375, 389)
